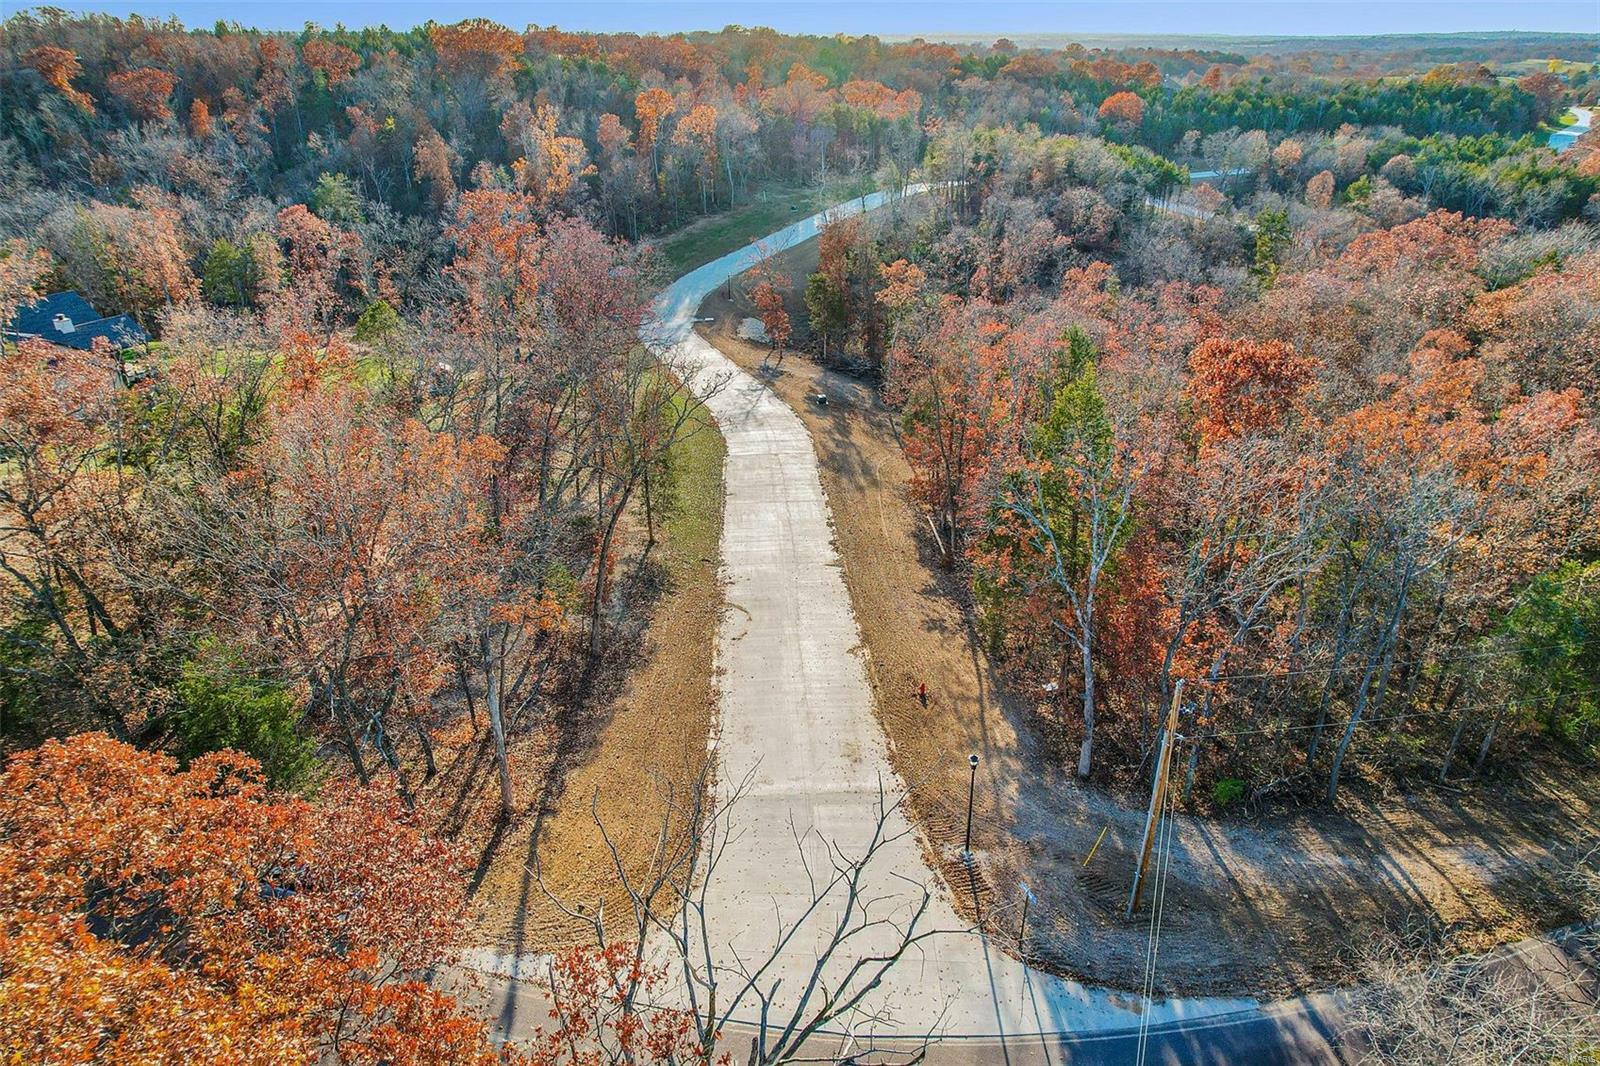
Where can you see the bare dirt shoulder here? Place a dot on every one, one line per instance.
(1270, 907)
(622, 757)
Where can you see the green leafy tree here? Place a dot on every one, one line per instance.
(1076, 355)
(1063, 519)
(377, 323)
(826, 307)
(1556, 632)
(336, 200)
(221, 705)
(1272, 240)
(228, 277)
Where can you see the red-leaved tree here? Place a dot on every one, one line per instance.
(162, 915)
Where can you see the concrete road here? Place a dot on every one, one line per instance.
(1582, 119)
(797, 722)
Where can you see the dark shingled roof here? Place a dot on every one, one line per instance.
(38, 319)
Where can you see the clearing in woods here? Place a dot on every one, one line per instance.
(1273, 906)
(770, 208)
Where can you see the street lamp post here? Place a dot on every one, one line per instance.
(972, 787)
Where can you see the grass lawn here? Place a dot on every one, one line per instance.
(694, 526)
(771, 208)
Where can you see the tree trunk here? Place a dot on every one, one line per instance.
(1455, 738)
(1341, 648)
(352, 743)
(649, 515)
(466, 687)
(1086, 753)
(600, 574)
(432, 770)
(1382, 656)
(1488, 738)
(497, 725)
(390, 756)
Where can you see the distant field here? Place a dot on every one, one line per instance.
(771, 209)
(1534, 66)
(1540, 44)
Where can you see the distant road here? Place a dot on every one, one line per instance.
(1563, 138)
(1188, 210)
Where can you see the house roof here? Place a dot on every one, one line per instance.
(39, 319)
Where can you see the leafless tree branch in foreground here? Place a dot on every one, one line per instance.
(1534, 1006)
(857, 928)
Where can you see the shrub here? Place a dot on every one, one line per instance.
(1227, 792)
(223, 707)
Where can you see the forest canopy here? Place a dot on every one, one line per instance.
(1274, 373)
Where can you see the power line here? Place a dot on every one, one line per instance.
(1158, 910)
(1408, 714)
(1359, 662)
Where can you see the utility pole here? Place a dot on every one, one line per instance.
(1158, 795)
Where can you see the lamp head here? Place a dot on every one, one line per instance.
(972, 761)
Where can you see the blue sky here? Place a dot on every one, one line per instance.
(884, 17)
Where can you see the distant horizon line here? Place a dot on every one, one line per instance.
(936, 36)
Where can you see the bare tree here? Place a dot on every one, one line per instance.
(1525, 1005)
(1422, 519)
(858, 932)
(1255, 527)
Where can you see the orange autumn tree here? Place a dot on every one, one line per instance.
(320, 260)
(1123, 108)
(154, 914)
(597, 1016)
(144, 91)
(62, 496)
(880, 100)
(941, 369)
(477, 48)
(22, 269)
(548, 163)
(696, 136)
(1243, 387)
(200, 121)
(622, 175)
(435, 163)
(650, 109)
(135, 258)
(334, 62)
(338, 544)
(770, 304)
(58, 66)
(1248, 510)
